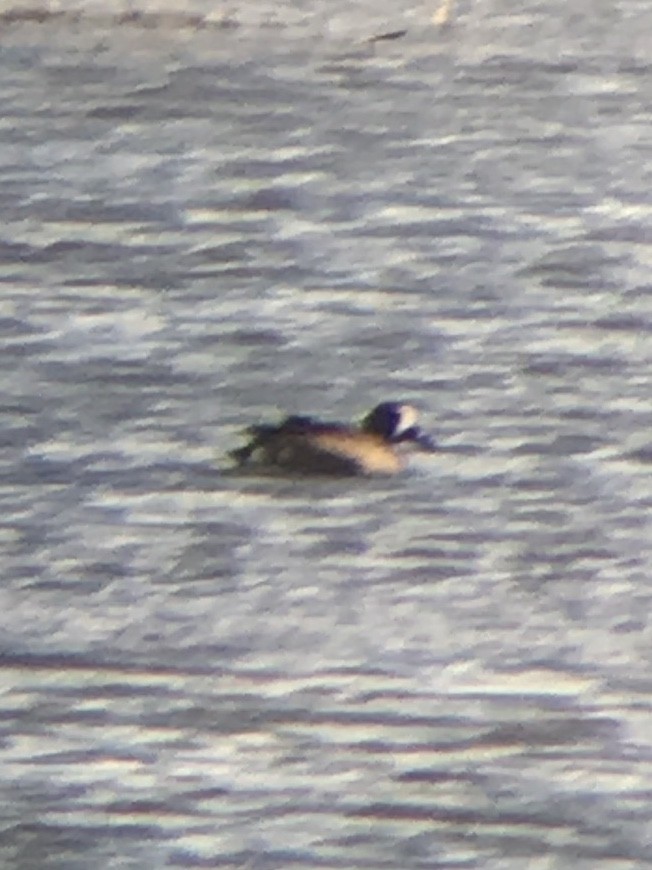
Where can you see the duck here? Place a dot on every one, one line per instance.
(307, 445)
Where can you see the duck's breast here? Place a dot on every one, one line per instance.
(367, 453)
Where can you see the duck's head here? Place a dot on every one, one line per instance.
(397, 424)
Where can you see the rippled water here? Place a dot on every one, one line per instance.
(447, 669)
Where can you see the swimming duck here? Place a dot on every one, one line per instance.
(309, 446)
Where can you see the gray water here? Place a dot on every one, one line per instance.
(202, 228)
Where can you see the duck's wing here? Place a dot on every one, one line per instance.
(265, 435)
(296, 421)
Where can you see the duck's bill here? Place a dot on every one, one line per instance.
(418, 438)
(425, 442)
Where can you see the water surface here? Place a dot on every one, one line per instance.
(203, 227)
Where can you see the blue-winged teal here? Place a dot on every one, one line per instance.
(309, 446)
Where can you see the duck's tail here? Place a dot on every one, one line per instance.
(242, 454)
(258, 435)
